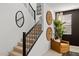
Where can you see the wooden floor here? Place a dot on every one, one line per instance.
(54, 53)
(3, 54)
(51, 52)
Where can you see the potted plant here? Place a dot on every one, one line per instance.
(59, 28)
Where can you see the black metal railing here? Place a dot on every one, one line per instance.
(35, 37)
(24, 44)
(33, 11)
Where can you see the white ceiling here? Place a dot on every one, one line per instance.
(63, 6)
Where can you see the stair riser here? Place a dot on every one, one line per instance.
(18, 50)
(14, 54)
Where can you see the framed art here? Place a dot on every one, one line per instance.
(39, 9)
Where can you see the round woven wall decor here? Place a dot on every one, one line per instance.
(49, 33)
(49, 17)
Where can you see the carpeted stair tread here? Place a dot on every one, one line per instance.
(14, 53)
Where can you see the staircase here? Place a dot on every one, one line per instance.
(31, 37)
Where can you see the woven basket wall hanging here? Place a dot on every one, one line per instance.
(49, 17)
(49, 33)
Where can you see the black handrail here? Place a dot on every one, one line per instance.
(31, 7)
(24, 40)
(33, 11)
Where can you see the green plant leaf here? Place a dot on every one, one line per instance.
(59, 28)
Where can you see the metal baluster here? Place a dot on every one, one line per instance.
(24, 44)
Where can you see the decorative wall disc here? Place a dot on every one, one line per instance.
(49, 17)
(49, 33)
(19, 18)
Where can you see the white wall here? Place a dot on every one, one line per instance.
(47, 8)
(42, 45)
(33, 5)
(63, 6)
(10, 34)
